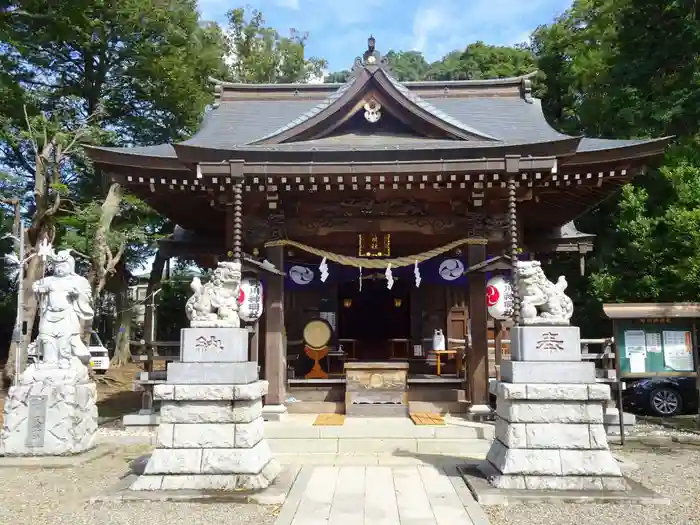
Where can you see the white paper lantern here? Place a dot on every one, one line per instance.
(499, 297)
(250, 300)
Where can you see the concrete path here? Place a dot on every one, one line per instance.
(380, 495)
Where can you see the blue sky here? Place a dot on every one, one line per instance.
(338, 29)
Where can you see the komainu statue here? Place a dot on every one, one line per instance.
(542, 301)
(215, 304)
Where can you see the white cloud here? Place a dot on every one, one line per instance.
(427, 21)
(288, 4)
(440, 26)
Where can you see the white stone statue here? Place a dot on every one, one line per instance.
(215, 304)
(52, 409)
(541, 301)
(65, 305)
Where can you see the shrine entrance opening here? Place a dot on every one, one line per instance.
(375, 320)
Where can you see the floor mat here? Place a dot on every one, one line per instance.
(329, 420)
(424, 418)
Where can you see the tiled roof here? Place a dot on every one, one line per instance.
(313, 111)
(436, 112)
(239, 122)
(161, 150)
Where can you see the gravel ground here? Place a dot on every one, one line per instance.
(59, 497)
(673, 471)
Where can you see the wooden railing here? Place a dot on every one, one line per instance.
(149, 354)
(601, 351)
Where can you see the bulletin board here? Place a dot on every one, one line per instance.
(655, 347)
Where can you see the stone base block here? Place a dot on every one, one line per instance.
(580, 483)
(545, 343)
(141, 420)
(223, 482)
(210, 435)
(221, 345)
(552, 411)
(479, 412)
(552, 462)
(47, 418)
(611, 420)
(274, 412)
(209, 460)
(552, 392)
(547, 372)
(245, 411)
(378, 410)
(213, 373)
(576, 436)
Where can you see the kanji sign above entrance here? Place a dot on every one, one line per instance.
(374, 245)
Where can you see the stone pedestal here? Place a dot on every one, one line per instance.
(50, 412)
(549, 418)
(376, 389)
(211, 431)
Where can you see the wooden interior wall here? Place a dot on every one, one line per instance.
(300, 307)
(457, 310)
(433, 316)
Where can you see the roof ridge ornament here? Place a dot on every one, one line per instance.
(371, 60)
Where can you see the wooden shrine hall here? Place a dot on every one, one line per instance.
(386, 206)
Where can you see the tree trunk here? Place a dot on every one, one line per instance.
(32, 273)
(122, 350)
(103, 262)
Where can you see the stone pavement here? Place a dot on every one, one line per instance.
(380, 495)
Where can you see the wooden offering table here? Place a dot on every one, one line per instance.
(376, 389)
(458, 357)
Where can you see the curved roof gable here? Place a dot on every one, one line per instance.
(347, 100)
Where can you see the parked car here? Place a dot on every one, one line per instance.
(662, 396)
(99, 356)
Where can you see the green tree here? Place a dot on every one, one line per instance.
(482, 61)
(138, 69)
(407, 65)
(8, 269)
(612, 73)
(338, 77)
(171, 316)
(258, 54)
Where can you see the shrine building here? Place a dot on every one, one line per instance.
(384, 208)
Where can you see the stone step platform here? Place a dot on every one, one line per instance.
(297, 434)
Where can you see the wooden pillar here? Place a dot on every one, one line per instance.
(498, 345)
(275, 351)
(477, 387)
(254, 352)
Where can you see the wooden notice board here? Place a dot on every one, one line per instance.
(655, 347)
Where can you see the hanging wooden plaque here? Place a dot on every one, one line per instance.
(374, 245)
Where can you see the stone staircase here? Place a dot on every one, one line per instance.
(297, 435)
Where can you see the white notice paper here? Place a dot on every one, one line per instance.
(678, 350)
(637, 363)
(654, 343)
(635, 343)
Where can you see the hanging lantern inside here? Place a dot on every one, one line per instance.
(347, 303)
(397, 302)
